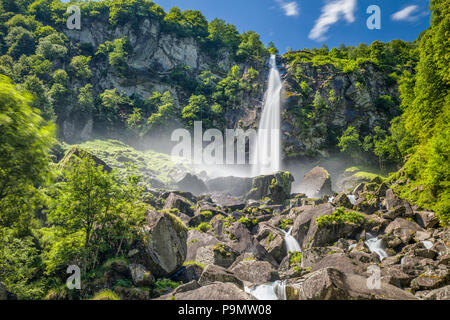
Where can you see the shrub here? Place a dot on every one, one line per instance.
(340, 216)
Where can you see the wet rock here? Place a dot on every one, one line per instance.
(273, 241)
(213, 273)
(256, 272)
(316, 183)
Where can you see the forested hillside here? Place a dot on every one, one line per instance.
(134, 72)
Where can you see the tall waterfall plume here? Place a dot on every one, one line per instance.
(267, 155)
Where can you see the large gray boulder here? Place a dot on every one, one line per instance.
(220, 254)
(215, 291)
(316, 183)
(193, 184)
(165, 248)
(309, 234)
(213, 273)
(332, 284)
(275, 186)
(256, 272)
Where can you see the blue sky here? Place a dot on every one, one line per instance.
(310, 23)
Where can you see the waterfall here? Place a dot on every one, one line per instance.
(267, 151)
(292, 244)
(352, 198)
(375, 245)
(271, 291)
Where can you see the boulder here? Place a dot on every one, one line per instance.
(141, 276)
(272, 240)
(191, 272)
(174, 201)
(341, 200)
(234, 186)
(309, 234)
(246, 242)
(438, 294)
(332, 284)
(431, 280)
(316, 183)
(256, 272)
(403, 229)
(215, 291)
(197, 239)
(213, 273)
(426, 219)
(165, 248)
(219, 254)
(275, 186)
(228, 202)
(192, 184)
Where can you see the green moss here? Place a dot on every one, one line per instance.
(188, 263)
(295, 258)
(249, 223)
(340, 216)
(178, 224)
(106, 295)
(285, 223)
(206, 214)
(203, 227)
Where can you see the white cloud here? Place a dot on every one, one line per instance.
(289, 8)
(405, 14)
(332, 13)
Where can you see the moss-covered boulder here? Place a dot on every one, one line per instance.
(164, 247)
(316, 183)
(276, 186)
(77, 152)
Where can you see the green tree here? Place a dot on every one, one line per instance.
(25, 142)
(198, 109)
(349, 143)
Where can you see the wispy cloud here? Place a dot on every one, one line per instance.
(289, 8)
(332, 13)
(405, 14)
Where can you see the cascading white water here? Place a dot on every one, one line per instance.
(427, 244)
(375, 245)
(267, 150)
(272, 291)
(352, 198)
(292, 244)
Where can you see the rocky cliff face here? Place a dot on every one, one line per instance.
(321, 101)
(154, 55)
